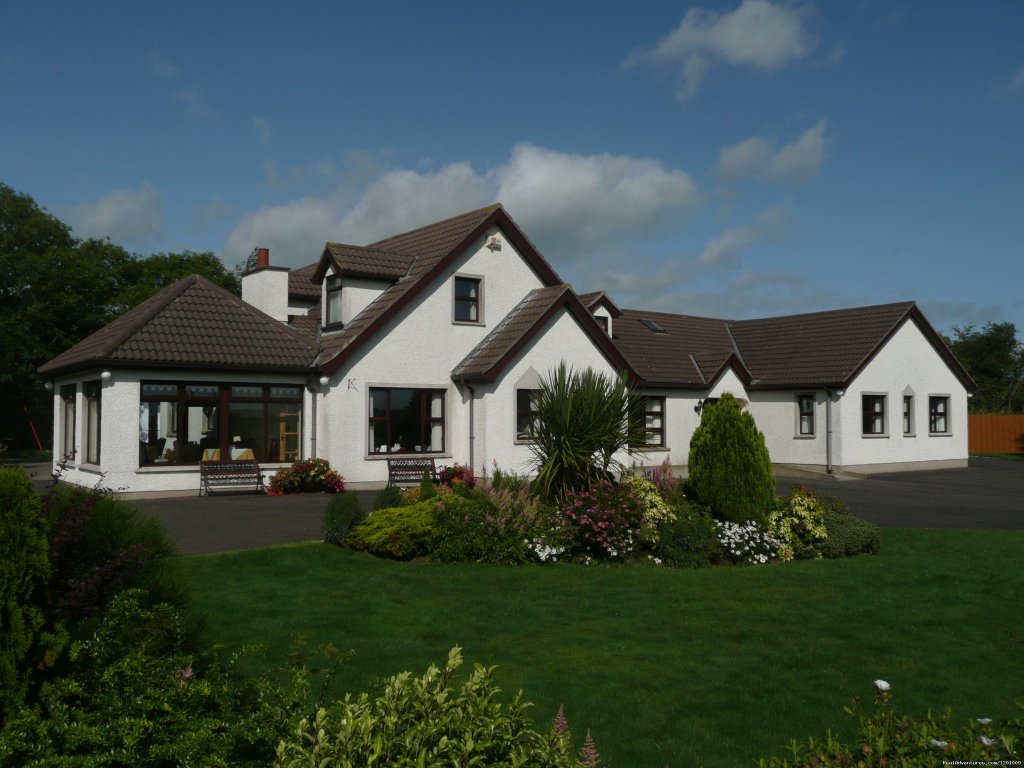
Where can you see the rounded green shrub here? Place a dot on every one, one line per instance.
(471, 530)
(686, 542)
(343, 511)
(400, 533)
(388, 496)
(730, 470)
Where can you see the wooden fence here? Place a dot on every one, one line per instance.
(995, 433)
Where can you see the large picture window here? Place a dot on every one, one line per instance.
(68, 395)
(406, 420)
(189, 423)
(873, 412)
(91, 390)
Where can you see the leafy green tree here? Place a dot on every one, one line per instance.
(583, 419)
(730, 470)
(995, 359)
(56, 289)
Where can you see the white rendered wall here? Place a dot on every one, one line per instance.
(562, 339)
(119, 468)
(775, 413)
(356, 295)
(419, 348)
(267, 290)
(907, 360)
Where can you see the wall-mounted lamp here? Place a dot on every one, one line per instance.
(324, 381)
(698, 407)
(49, 386)
(105, 375)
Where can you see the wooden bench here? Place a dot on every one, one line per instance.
(410, 470)
(234, 474)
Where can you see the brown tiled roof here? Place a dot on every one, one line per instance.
(429, 248)
(515, 327)
(190, 324)
(498, 348)
(818, 348)
(664, 359)
(592, 299)
(307, 324)
(301, 285)
(369, 262)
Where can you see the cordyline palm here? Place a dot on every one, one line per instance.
(583, 418)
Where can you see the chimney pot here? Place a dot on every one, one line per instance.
(262, 258)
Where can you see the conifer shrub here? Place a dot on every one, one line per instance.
(24, 569)
(388, 496)
(343, 511)
(400, 533)
(427, 489)
(730, 470)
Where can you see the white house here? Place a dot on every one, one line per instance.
(429, 343)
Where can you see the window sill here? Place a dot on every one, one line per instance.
(876, 437)
(385, 456)
(804, 437)
(940, 434)
(468, 322)
(650, 449)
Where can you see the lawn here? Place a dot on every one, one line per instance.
(713, 667)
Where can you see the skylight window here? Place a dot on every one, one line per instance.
(652, 326)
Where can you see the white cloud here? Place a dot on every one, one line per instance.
(264, 133)
(759, 34)
(725, 245)
(568, 203)
(797, 161)
(161, 67)
(124, 215)
(193, 103)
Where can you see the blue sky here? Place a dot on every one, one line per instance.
(733, 159)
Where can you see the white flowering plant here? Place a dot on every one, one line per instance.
(747, 543)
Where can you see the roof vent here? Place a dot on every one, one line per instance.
(494, 243)
(652, 326)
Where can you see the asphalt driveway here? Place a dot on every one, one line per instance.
(987, 494)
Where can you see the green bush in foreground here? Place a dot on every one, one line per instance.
(730, 470)
(401, 533)
(886, 739)
(343, 511)
(421, 721)
(24, 569)
(847, 534)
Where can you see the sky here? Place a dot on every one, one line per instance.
(730, 159)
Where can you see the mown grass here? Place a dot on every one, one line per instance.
(714, 667)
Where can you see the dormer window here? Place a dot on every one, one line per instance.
(602, 320)
(467, 304)
(333, 300)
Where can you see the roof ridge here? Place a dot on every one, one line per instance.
(487, 210)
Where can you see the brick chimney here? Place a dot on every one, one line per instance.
(262, 258)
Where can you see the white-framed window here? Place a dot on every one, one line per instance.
(333, 299)
(467, 299)
(938, 414)
(406, 420)
(91, 437)
(873, 410)
(908, 415)
(68, 397)
(805, 415)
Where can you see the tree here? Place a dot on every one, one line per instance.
(995, 360)
(583, 418)
(55, 290)
(730, 470)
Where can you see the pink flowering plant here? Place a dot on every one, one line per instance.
(306, 476)
(606, 520)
